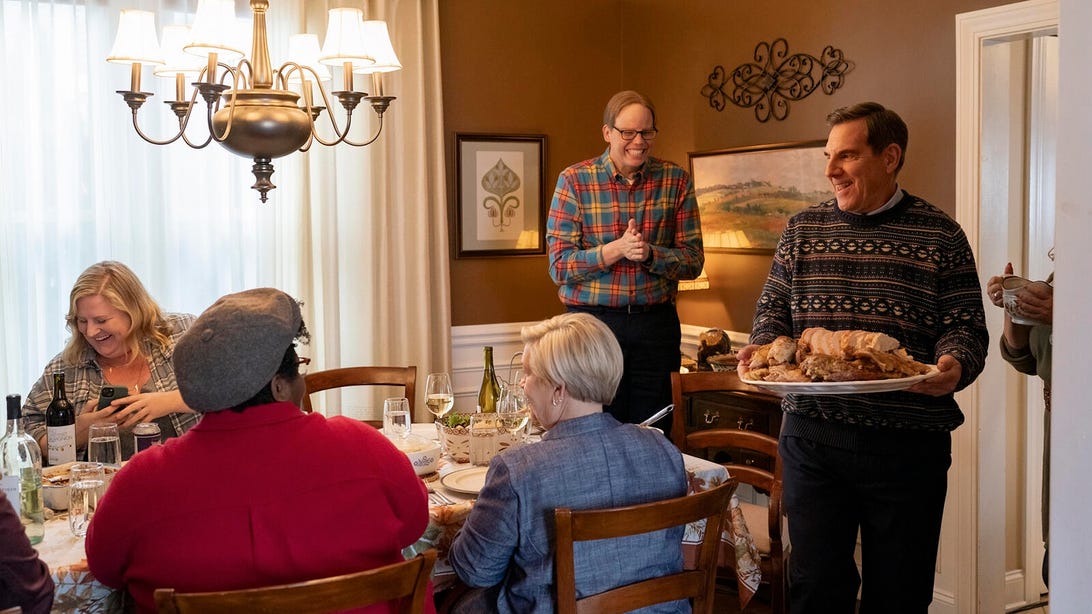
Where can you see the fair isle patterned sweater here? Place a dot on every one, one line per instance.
(907, 272)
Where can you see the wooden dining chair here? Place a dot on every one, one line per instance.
(752, 458)
(697, 584)
(406, 581)
(362, 376)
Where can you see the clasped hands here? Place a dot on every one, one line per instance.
(631, 245)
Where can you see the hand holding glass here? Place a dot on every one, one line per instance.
(86, 484)
(396, 418)
(438, 396)
(104, 444)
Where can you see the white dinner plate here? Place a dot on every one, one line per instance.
(468, 481)
(860, 387)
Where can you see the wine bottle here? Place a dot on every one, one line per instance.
(21, 473)
(489, 392)
(60, 425)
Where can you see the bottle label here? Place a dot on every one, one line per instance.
(62, 444)
(10, 485)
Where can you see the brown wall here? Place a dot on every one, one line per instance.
(548, 68)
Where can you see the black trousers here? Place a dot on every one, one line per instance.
(896, 500)
(650, 341)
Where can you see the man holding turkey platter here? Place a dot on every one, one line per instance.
(869, 455)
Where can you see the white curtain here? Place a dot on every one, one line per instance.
(358, 234)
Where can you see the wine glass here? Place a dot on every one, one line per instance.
(514, 413)
(396, 418)
(438, 396)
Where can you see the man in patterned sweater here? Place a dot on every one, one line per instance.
(879, 259)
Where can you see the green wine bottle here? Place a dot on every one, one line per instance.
(60, 425)
(489, 392)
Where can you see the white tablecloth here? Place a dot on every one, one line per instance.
(76, 589)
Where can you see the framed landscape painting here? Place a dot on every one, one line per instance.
(746, 195)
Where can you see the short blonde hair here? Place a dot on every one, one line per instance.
(116, 283)
(578, 351)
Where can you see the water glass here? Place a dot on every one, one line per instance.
(485, 432)
(86, 484)
(397, 421)
(438, 395)
(104, 444)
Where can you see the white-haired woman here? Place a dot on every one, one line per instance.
(586, 460)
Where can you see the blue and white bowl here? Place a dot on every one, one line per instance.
(423, 454)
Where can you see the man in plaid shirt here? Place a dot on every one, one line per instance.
(623, 230)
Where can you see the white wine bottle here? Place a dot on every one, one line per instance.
(21, 473)
(489, 392)
(60, 425)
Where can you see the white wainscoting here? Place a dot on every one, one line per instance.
(467, 361)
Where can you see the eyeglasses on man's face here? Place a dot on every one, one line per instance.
(629, 135)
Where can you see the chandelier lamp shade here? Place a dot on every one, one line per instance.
(251, 110)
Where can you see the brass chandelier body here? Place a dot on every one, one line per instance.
(252, 118)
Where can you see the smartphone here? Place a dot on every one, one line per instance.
(109, 394)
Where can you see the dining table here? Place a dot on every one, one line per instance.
(77, 590)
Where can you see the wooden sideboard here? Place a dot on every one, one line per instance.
(719, 400)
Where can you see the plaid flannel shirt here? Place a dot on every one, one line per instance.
(592, 205)
(84, 380)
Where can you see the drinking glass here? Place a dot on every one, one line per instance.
(484, 432)
(396, 418)
(86, 483)
(104, 444)
(514, 414)
(438, 396)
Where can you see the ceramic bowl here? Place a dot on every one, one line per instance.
(456, 442)
(55, 485)
(423, 454)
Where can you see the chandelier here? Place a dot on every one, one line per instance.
(250, 109)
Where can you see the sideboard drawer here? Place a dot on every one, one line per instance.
(734, 410)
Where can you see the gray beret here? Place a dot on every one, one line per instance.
(234, 348)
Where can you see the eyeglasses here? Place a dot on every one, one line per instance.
(629, 135)
(302, 363)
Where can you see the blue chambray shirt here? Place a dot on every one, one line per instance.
(589, 462)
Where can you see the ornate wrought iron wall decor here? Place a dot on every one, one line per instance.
(775, 78)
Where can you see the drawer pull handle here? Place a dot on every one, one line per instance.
(745, 426)
(711, 418)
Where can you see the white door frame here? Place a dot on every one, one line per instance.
(971, 578)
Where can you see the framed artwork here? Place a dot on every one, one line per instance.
(500, 204)
(746, 195)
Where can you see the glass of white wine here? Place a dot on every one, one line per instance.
(514, 414)
(438, 395)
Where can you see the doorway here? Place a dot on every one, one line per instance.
(1006, 129)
